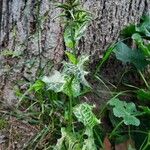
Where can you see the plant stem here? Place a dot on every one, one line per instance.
(70, 111)
(143, 144)
(70, 102)
(112, 133)
(101, 143)
(142, 76)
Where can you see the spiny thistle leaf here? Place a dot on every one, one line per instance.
(89, 143)
(75, 87)
(67, 139)
(77, 70)
(84, 114)
(55, 82)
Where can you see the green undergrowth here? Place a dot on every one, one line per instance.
(59, 105)
(3, 124)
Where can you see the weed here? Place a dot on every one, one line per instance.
(3, 123)
(55, 103)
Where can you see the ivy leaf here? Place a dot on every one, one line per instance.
(143, 95)
(84, 114)
(129, 30)
(139, 41)
(128, 55)
(55, 82)
(144, 27)
(137, 37)
(131, 120)
(127, 111)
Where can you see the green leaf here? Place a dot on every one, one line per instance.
(67, 140)
(75, 88)
(72, 58)
(73, 32)
(129, 30)
(105, 57)
(89, 143)
(137, 37)
(145, 109)
(60, 82)
(55, 82)
(80, 31)
(38, 85)
(75, 29)
(143, 95)
(127, 111)
(69, 36)
(139, 41)
(128, 55)
(144, 26)
(77, 70)
(65, 6)
(84, 114)
(131, 120)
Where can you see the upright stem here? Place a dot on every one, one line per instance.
(143, 79)
(70, 102)
(70, 83)
(112, 133)
(70, 111)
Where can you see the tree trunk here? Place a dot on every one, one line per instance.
(30, 38)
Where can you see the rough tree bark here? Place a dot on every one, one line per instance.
(28, 32)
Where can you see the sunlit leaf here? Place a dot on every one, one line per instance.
(72, 58)
(67, 140)
(89, 143)
(75, 88)
(126, 111)
(84, 114)
(55, 82)
(77, 70)
(38, 85)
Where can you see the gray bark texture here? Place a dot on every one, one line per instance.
(30, 38)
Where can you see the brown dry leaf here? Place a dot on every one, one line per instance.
(107, 144)
(125, 145)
